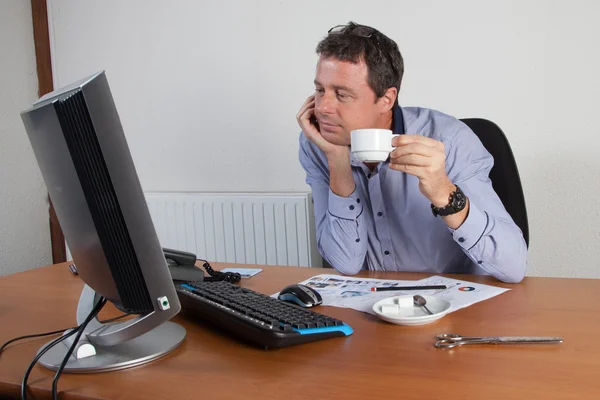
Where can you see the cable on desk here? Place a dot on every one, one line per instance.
(53, 343)
(32, 336)
(35, 360)
(37, 335)
(80, 331)
(216, 276)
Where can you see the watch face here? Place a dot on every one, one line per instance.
(459, 200)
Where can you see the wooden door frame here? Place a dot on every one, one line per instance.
(41, 39)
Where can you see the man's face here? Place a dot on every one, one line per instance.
(344, 101)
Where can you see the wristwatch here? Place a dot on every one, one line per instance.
(457, 203)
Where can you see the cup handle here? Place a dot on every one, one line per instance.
(392, 148)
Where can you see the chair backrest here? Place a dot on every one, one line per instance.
(504, 174)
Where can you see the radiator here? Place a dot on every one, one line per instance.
(245, 228)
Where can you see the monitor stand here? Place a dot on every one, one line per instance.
(109, 347)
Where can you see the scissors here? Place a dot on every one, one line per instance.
(450, 340)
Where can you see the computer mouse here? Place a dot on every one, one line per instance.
(302, 295)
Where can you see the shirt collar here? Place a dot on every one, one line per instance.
(397, 121)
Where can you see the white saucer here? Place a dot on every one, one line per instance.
(413, 315)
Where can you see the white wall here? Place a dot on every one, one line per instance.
(208, 91)
(24, 231)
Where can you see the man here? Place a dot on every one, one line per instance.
(431, 206)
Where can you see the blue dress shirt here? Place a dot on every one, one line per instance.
(386, 224)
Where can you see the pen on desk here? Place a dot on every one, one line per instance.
(386, 288)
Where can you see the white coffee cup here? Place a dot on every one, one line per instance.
(371, 145)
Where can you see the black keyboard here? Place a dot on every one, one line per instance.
(256, 317)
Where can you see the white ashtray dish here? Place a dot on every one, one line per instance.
(394, 310)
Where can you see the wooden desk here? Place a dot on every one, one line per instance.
(379, 360)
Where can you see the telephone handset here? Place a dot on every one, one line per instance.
(182, 267)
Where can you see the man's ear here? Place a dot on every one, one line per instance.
(386, 102)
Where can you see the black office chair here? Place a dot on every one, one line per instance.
(504, 174)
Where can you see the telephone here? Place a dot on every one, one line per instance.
(182, 267)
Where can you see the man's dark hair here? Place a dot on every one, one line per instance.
(353, 42)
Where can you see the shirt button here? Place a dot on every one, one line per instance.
(351, 207)
(358, 200)
(387, 253)
(379, 214)
(479, 262)
(461, 239)
(357, 240)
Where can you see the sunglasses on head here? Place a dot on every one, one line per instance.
(362, 31)
(354, 29)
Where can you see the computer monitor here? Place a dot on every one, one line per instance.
(83, 155)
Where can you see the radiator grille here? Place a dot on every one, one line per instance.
(246, 228)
